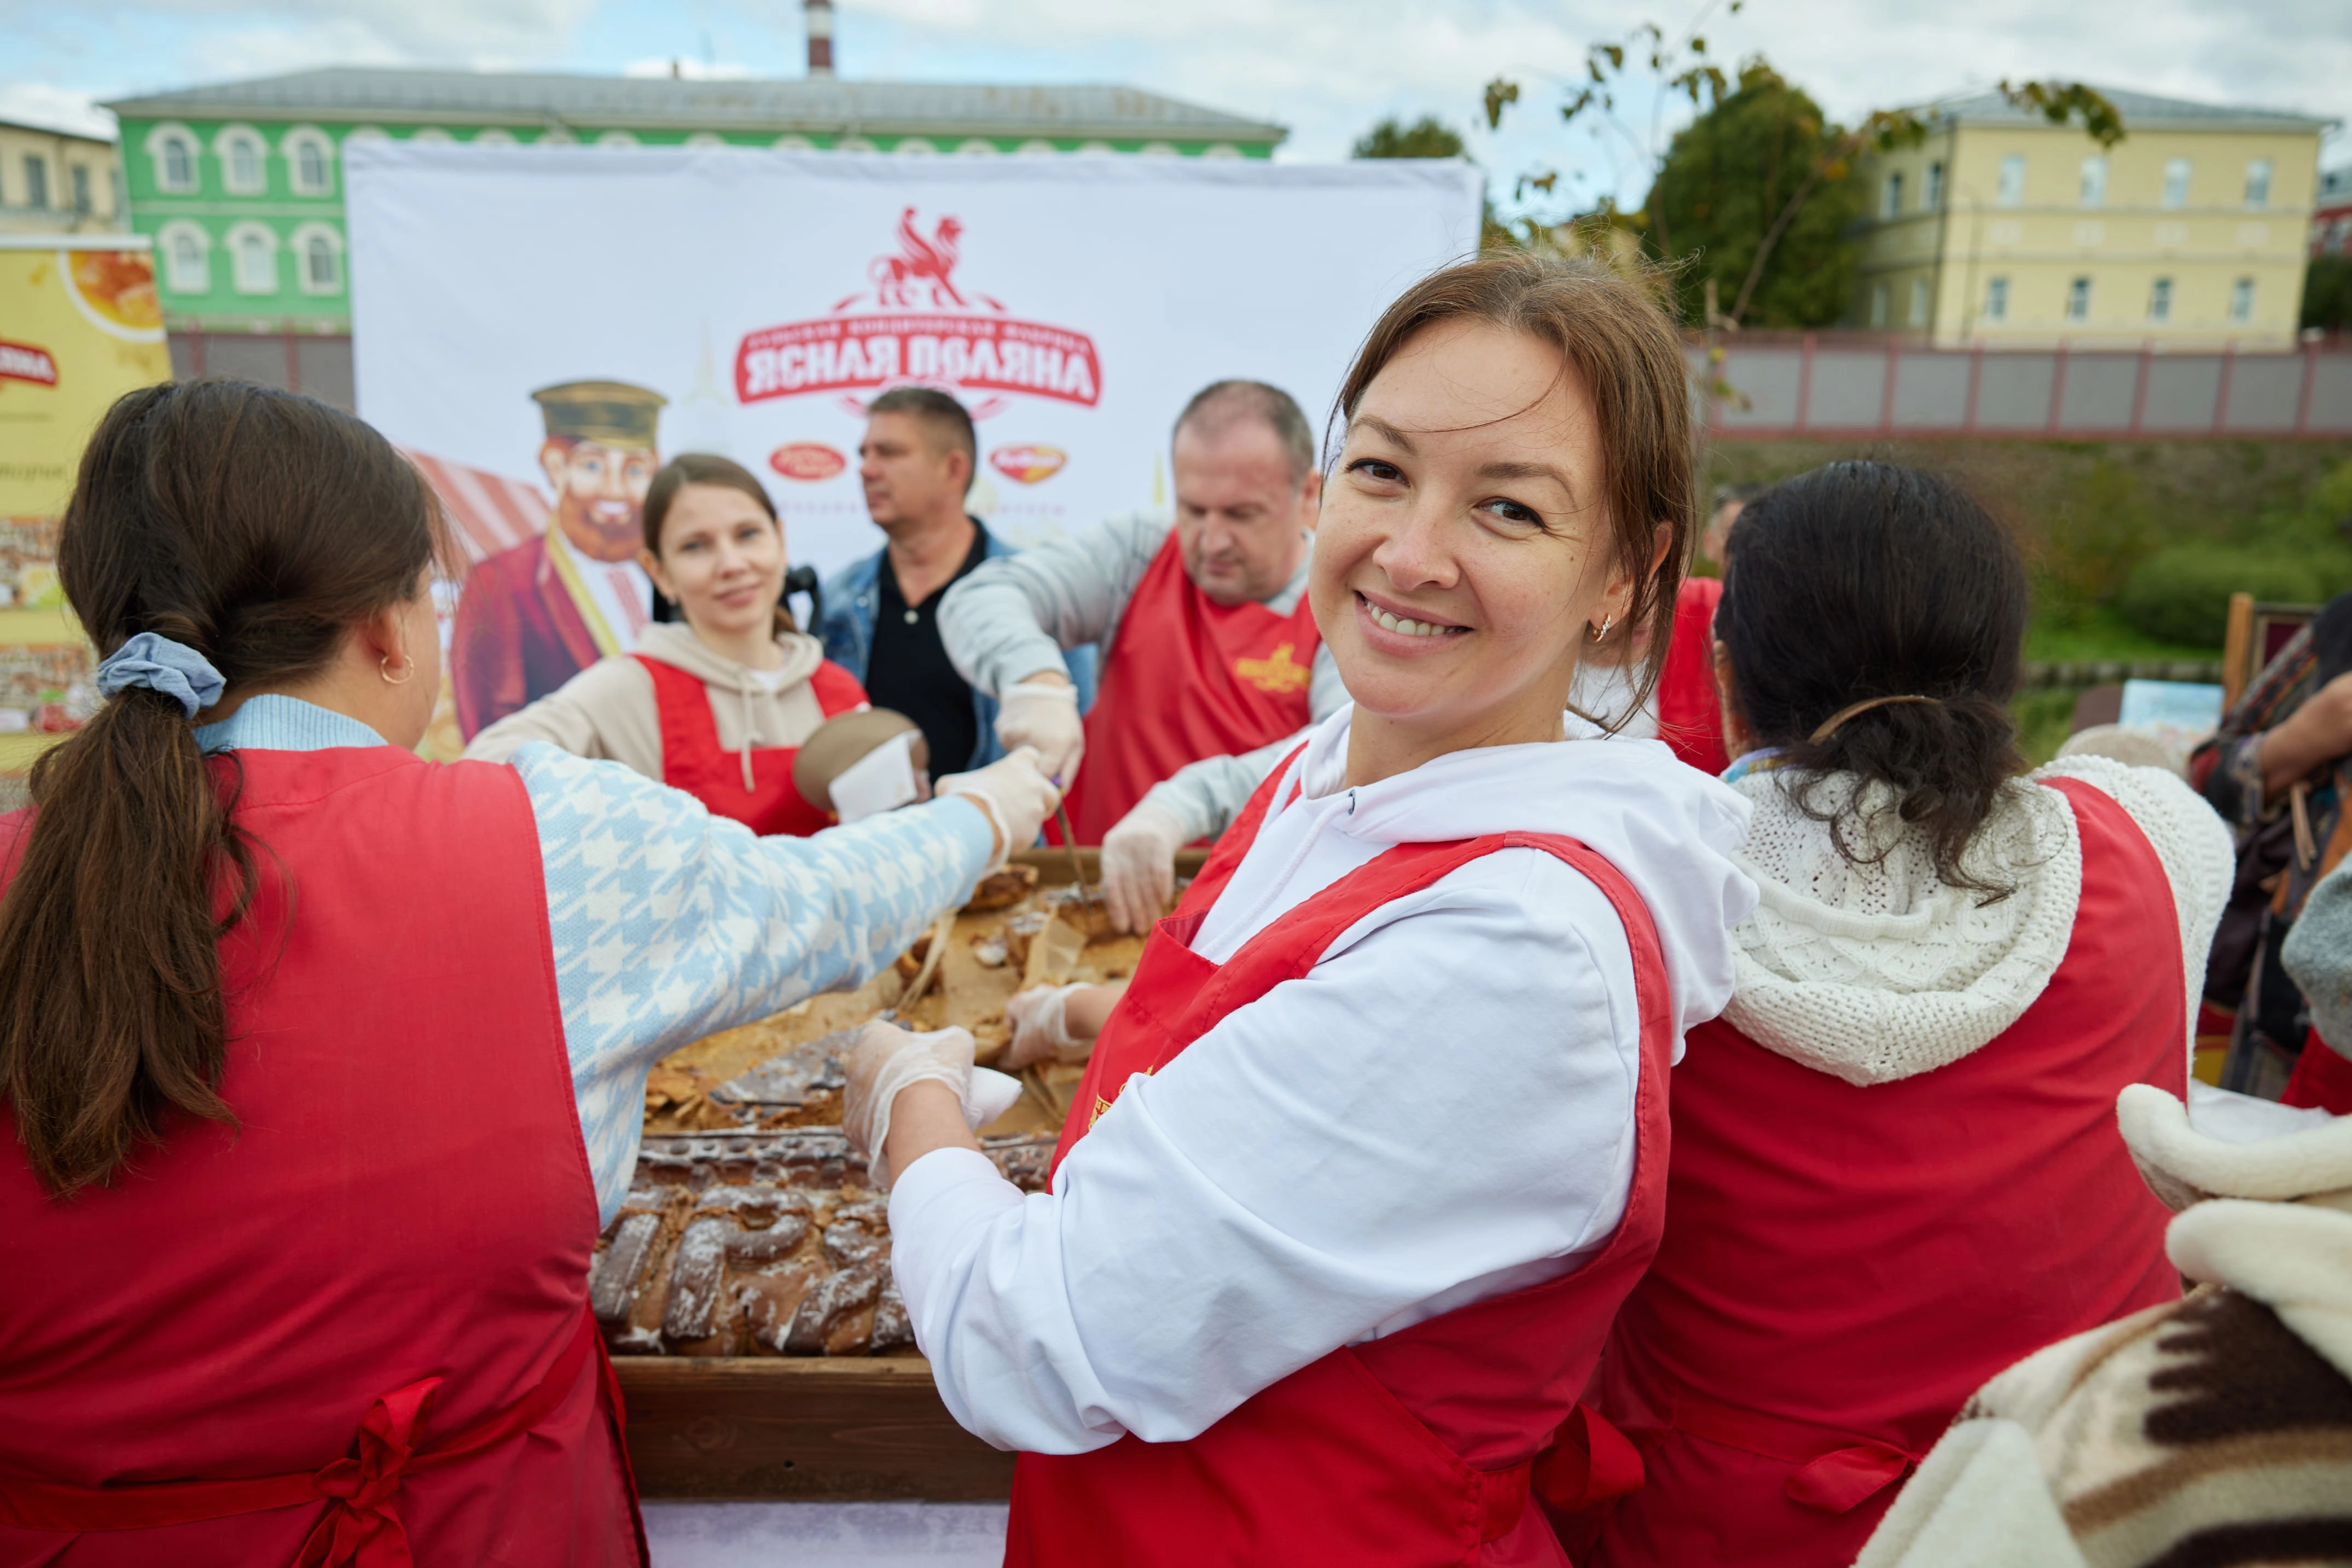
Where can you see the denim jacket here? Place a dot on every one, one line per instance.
(851, 595)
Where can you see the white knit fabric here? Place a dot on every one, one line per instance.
(1878, 971)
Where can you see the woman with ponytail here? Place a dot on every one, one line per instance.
(321, 1066)
(1895, 1167)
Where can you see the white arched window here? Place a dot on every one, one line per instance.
(243, 159)
(318, 258)
(975, 147)
(430, 133)
(252, 258)
(616, 139)
(174, 150)
(706, 139)
(494, 136)
(310, 162)
(915, 147)
(791, 143)
(187, 252)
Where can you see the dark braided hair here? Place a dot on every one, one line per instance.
(1863, 580)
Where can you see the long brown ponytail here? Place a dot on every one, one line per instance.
(257, 527)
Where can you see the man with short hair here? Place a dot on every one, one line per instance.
(533, 616)
(1209, 644)
(881, 614)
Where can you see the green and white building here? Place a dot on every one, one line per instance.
(240, 185)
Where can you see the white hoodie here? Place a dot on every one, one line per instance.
(1875, 971)
(1440, 1111)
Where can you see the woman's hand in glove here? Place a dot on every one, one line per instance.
(1042, 711)
(1014, 793)
(1138, 866)
(1057, 1024)
(887, 1061)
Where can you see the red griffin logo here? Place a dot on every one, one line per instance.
(917, 326)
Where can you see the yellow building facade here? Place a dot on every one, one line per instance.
(2004, 230)
(54, 182)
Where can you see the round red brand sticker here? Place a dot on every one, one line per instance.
(808, 461)
(1030, 465)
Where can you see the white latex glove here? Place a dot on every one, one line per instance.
(887, 1059)
(1041, 1028)
(1139, 865)
(1015, 794)
(1044, 714)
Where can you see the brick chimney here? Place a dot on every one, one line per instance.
(820, 37)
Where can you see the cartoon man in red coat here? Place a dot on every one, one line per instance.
(531, 617)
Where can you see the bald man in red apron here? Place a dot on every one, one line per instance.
(1209, 647)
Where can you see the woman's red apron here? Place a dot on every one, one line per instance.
(1417, 1448)
(692, 760)
(354, 1328)
(1843, 1265)
(1187, 677)
(1690, 715)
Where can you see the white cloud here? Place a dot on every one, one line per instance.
(1327, 69)
(55, 108)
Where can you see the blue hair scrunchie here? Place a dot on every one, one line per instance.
(159, 664)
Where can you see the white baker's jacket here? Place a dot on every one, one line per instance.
(1440, 1111)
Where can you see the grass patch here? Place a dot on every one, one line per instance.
(2100, 633)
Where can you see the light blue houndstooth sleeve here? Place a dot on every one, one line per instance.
(670, 923)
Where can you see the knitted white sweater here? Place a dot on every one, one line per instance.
(1878, 971)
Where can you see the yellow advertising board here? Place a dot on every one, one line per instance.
(80, 326)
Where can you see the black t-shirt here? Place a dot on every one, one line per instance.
(909, 669)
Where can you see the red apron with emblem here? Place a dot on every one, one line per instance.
(1187, 677)
(1690, 715)
(353, 1328)
(1417, 1448)
(1843, 1265)
(693, 761)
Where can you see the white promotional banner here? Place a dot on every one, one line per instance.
(1073, 303)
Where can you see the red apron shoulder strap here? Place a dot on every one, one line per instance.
(1292, 945)
(837, 691)
(688, 727)
(1235, 842)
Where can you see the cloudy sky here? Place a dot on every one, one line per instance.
(1327, 69)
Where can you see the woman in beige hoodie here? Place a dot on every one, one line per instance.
(720, 703)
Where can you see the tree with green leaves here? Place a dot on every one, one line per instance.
(1758, 165)
(2327, 293)
(1427, 137)
(1726, 181)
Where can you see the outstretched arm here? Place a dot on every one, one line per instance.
(1015, 613)
(669, 924)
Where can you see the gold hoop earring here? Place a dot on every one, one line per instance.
(384, 668)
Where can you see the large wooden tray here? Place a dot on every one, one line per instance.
(811, 1429)
(807, 1429)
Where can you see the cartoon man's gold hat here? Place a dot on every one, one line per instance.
(609, 413)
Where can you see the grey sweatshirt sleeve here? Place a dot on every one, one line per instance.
(1015, 615)
(2318, 956)
(605, 714)
(1206, 795)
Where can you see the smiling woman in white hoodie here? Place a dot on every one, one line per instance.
(717, 704)
(1373, 1145)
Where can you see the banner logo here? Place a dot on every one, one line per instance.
(806, 460)
(916, 325)
(23, 361)
(1030, 465)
